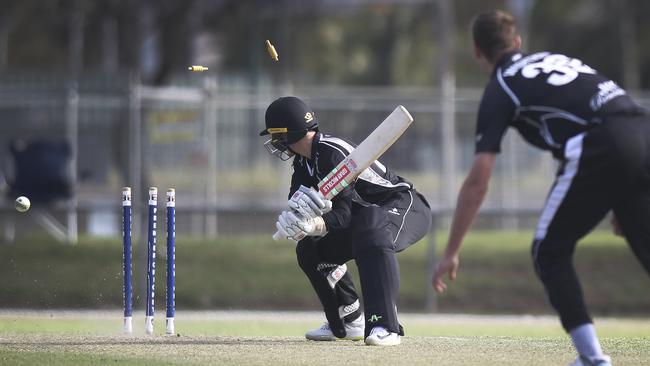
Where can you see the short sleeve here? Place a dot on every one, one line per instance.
(494, 115)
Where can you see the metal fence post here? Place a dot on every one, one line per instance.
(510, 185)
(210, 140)
(135, 171)
(431, 300)
(447, 75)
(72, 132)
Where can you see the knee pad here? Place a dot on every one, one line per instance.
(332, 272)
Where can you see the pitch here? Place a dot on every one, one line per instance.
(271, 338)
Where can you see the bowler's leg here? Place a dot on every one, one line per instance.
(633, 216)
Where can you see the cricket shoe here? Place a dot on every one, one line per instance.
(380, 336)
(353, 331)
(603, 360)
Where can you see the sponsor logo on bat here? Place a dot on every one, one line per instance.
(335, 179)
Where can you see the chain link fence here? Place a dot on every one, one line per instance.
(203, 141)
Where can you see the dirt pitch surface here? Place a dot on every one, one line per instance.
(275, 338)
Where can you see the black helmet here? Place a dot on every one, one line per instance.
(287, 121)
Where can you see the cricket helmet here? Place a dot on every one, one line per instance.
(287, 121)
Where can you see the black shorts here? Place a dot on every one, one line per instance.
(605, 169)
(402, 221)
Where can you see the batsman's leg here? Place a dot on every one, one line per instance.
(374, 253)
(340, 282)
(334, 295)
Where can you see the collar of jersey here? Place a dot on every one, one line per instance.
(314, 146)
(503, 60)
(314, 152)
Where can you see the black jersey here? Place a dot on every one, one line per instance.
(548, 98)
(374, 185)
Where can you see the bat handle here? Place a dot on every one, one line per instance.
(277, 236)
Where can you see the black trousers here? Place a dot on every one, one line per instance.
(373, 237)
(607, 168)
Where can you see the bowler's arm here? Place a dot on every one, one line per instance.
(470, 198)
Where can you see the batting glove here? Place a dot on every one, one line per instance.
(295, 227)
(309, 203)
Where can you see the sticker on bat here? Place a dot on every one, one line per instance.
(334, 180)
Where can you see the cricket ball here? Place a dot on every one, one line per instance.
(22, 204)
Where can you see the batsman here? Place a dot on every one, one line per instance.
(371, 220)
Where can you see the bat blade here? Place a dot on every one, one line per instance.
(383, 137)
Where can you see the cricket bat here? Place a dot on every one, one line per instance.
(383, 137)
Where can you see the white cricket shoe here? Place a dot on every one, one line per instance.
(380, 336)
(603, 360)
(353, 331)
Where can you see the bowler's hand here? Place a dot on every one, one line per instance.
(448, 266)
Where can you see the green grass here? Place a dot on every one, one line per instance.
(496, 272)
(253, 272)
(276, 339)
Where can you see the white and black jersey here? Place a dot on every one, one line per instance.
(375, 185)
(381, 214)
(548, 98)
(602, 139)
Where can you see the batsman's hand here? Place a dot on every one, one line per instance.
(288, 227)
(447, 266)
(295, 227)
(309, 203)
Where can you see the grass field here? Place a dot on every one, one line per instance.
(496, 277)
(253, 272)
(261, 338)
